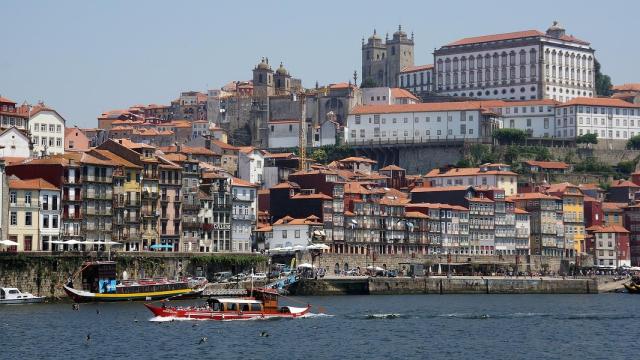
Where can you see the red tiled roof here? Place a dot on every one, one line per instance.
(520, 211)
(239, 182)
(611, 206)
(39, 184)
(312, 196)
(392, 168)
(341, 85)
(531, 196)
(466, 172)
(5, 100)
(402, 93)
(599, 102)
(497, 37)
(608, 229)
(436, 206)
(440, 188)
(548, 164)
(626, 87)
(357, 159)
(415, 214)
(417, 68)
(623, 183)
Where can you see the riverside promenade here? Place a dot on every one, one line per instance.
(440, 285)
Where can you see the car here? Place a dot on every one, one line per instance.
(238, 278)
(259, 276)
(222, 276)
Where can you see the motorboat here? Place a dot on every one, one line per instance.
(15, 296)
(263, 306)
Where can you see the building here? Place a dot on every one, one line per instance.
(610, 246)
(383, 62)
(417, 79)
(47, 129)
(572, 216)
(632, 223)
(75, 139)
(34, 214)
(419, 123)
(622, 191)
(547, 228)
(190, 223)
(535, 117)
(448, 230)
(251, 165)
(523, 232)
(290, 232)
(14, 144)
(170, 204)
(12, 116)
(284, 134)
(387, 96)
(495, 175)
(243, 214)
(610, 119)
(215, 213)
(519, 65)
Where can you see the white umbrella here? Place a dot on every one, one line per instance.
(72, 242)
(439, 269)
(305, 265)
(57, 242)
(112, 243)
(318, 247)
(8, 242)
(298, 247)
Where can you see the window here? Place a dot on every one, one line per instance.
(43, 127)
(14, 218)
(45, 202)
(12, 197)
(297, 234)
(45, 221)
(58, 142)
(27, 198)
(28, 218)
(54, 202)
(284, 234)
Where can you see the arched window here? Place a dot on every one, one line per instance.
(504, 58)
(463, 63)
(455, 64)
(532, 56)
(472, 61)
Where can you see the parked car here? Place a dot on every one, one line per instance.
(222, 276)
(238, 278)
(259, 276)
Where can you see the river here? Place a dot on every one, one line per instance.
(354, 327)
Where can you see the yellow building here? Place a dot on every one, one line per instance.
(33, 207)
(573, 216)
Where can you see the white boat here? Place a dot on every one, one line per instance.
(14, 296)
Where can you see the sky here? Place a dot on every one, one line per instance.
(84, 57)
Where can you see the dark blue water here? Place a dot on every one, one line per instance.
(359, 327)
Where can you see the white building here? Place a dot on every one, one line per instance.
(199, 128)
(417, 79)
(535, 117)
(251, 164)
(290, 232)
(611, 119)
(15, 144)
(284, 133)
(519, 65)
(523, 231)
(244, 212)
(49, 218)
(387, 96)
(498, 175)
(423, 122)
(47, 130)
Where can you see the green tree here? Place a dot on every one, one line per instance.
(592, 165)
(587, 139)
(509, 136)
(319, 155)
(625, 168)
(634, 142)
(603, 82)
(368, 83)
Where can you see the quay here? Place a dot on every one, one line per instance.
(441, 285)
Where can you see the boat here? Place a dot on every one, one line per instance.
(15, 296)
(633, 287)
(263, 306)
(99, 284)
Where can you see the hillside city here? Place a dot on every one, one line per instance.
(512, 144)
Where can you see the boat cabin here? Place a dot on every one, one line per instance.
(99, 277)
(10, 293)
(235, 304)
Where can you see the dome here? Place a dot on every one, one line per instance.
(263, 65)
(374, 36)
(281, 70)
(555, 27)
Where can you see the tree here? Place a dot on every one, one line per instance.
(634, 143)
(319, 155)
(603, 82)
(587, 139)
(368, 83)
(625, 168)
(509, 136)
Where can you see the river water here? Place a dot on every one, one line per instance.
(354, 327)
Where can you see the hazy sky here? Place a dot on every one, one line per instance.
(85, 57)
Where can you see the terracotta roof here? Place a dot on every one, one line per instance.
(611, 206)
(599, 102)
(415, 214)
(341, 85)
(532, 196)
(9, 160)
(357, 159)
(588, 198)
(548, 164)
(419, 107)
(264, 229)
(496, 37)
(392, 168)
(520, 211)
(436, 206)
(608, 229)
(286, 185)
(402, 93)
(5, 100)
(480, 199)
(623, 183)
(280, 155)
(223, 145)
(31, 184)
(561, 188)
(355, 188)
(417, 68)
(284, 121)
(312, 196)
(193, 150)
(133, 145)
(394, 200)
(288, 220)
(466, 172)
(115, 159)
(239, 182)
(626, 87)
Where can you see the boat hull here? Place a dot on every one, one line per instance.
(204, 314)
(632, 288)
(81, 296)
(33, 300)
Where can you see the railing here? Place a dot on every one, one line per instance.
(417, 140)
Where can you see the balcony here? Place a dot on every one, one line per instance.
(150, 195)
(189, 206)
(71, 180)
(76, 197)
(220, 206)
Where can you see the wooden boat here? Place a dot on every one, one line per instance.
(14, 296)
(263, 306)
(99, 284)
(632, 288)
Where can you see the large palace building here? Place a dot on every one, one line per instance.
(519, 65)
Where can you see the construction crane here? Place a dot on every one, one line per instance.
(302, 135)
